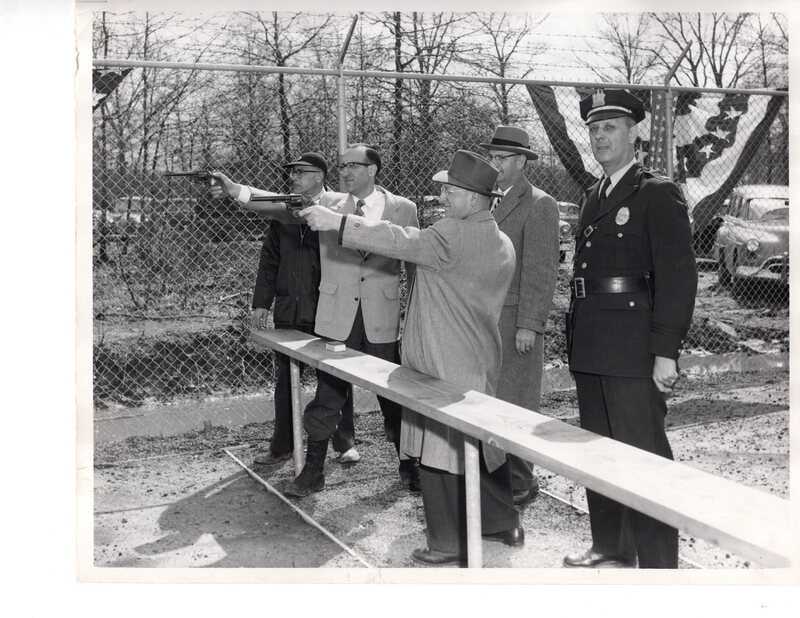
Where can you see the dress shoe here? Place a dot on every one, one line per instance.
(270, 459)
(431, 557)
(524, 497)
(593, 559)
(515, 537)
(349, 456)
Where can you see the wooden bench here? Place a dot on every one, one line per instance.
(746, 521)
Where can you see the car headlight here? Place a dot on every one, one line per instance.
(752, 245)
(564, 230)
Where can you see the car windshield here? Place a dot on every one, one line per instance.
(769, 208)
(567, 208)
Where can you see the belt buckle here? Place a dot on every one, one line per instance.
(579, 287)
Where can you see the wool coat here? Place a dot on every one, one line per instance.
(464, 268)
(529, 217)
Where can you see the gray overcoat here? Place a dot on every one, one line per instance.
(464, 267)
(529, 217)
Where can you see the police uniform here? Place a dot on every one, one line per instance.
(633, 295)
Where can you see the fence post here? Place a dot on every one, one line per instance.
(341, 107)
(472, 481)
(668, 120)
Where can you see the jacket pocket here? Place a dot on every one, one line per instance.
(285, 308)
(326, 308)
(392, 293)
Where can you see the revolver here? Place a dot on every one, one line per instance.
(294, 201)
(198, 176)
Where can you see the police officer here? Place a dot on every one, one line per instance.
(633, 294)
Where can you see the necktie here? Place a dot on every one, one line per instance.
(495, 201)
(360, 212)
(604, 187)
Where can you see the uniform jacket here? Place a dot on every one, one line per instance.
(289, 274)
(642, 227)
(464, 268)
(373, 280)
(529, 217)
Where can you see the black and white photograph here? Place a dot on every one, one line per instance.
(446, 294)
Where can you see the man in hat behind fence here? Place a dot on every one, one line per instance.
(529, 217)
(633, 295)
(465, 264)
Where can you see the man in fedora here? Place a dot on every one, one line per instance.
(288, 277)
(465, 264)
(529, 217)
(633, 295)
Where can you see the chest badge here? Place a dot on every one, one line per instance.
(623, 214)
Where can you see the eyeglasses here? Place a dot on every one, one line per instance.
(447, 190)
(500, 158)
(299, 171)
(352, 165)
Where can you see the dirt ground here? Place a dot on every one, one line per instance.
(182, 502)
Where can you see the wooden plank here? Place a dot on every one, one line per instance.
(472, 482)
(297, 417)
(747, 521)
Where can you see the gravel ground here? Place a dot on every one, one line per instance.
(180, 501)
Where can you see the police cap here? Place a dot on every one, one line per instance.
(605, 104)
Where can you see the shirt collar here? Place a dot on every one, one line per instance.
(617, 176)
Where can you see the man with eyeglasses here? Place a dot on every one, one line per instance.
(359, 304)
(289, 275)
(529, 217)
(465, 264)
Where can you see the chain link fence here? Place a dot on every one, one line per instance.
(174, 269)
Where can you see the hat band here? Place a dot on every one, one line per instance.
(609, 108)
(506, 142)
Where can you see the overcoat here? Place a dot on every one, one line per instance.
(464, 267)
(529, 217)
(641, 229)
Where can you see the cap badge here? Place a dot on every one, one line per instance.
(623, 214)
(598, 98)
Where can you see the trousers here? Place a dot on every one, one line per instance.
(445, 503)
(631, 410)
(323, 414)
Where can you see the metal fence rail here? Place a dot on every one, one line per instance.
(174, 269)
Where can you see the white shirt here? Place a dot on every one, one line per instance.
(373, 207)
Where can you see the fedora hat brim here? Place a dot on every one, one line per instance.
(529, 154)
(447, 179)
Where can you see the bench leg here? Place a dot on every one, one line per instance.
(297, 417)
(472, 479)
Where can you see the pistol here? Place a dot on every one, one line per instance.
(294, 201)
(198, 176)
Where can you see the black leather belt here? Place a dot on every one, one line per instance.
(608, 285)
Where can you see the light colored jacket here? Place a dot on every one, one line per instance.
(348, 278)
(464, 268)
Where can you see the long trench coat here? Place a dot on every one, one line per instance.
(464, 268)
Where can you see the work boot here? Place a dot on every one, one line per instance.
(312, 476)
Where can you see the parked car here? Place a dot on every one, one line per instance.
(752, 242)
(569, 213)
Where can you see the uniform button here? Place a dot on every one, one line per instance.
(357, 225)
(619, 235)
(588, 243)
(632, 304)
(583, 265)
(356, 298)
(362, 278)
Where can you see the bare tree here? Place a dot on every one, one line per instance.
(501, 51)
(626, 35)
(720, 56)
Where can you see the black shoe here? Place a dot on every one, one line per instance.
(271, 459)
(524, 497)
(515, 537)
(594, 559)
(312, 476)
(431, 557)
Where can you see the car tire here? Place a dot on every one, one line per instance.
(562, 255)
